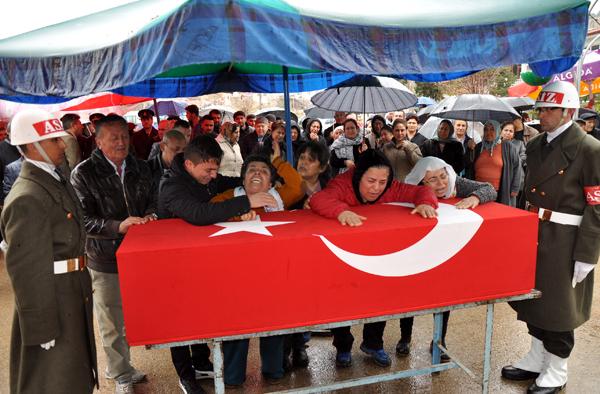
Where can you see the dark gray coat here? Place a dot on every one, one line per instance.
(511, 173)
(557, 183)
(42, 222)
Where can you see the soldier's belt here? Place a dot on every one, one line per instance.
(547, 215)
(69, 265)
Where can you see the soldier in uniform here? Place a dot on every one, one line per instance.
(563, 187)
(52, 346)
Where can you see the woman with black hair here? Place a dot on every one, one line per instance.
(370, 182)
(346, 148)
(313, 167)
(314, 131)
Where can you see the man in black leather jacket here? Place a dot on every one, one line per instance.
(116, 192)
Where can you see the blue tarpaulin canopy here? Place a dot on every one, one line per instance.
(178, 48)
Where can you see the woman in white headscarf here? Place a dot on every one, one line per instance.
(498, 163)
(441, 178)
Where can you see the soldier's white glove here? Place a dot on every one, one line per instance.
(48, 345)
(580, 271)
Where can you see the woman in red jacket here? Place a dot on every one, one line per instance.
(370, 182)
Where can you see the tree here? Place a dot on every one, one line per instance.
(495, 81)
(429, 89)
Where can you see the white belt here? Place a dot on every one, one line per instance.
(69, 265)
(547, 215)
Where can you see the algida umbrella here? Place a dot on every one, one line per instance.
(475, 107)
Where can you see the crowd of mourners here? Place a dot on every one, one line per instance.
(205, 170)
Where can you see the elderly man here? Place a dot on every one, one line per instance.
(72, 125)
(163, 126)
(590, 119)
(255, 139)
(52, 341)
(143, 139)
(185, 193)
(116, 191)
(563, 187)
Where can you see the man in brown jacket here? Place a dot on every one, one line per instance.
(52, 346)
(563, 187)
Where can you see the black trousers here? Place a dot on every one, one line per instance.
(185, 358)
(406, 326)
(558, 343)
(372, 337)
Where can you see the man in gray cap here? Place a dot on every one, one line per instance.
(590, 118)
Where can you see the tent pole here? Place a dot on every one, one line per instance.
(288, 117)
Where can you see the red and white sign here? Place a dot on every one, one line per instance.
(290, 269)
(592, 194)
(48, 126)
(551, 97)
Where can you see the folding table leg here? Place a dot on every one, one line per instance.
(218, 365)
(437, 337)
(489, 328)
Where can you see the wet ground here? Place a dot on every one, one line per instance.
(465, 340)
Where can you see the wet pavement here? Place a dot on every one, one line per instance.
(465, 340)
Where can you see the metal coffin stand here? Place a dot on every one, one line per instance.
(435, 366)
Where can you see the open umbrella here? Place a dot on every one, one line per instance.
(519, 103)
(424, 113)
(277, 112)
(168, 107)
(366, 93)
(475, 107)
(424, 101)
(319, 113)
(429, 129)
(226, 112)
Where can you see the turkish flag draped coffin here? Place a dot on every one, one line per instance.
(290, 269)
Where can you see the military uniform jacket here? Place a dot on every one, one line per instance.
(558, 183)
(42, 222)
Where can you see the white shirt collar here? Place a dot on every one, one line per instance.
(552, 135)
(42, 165)
(115, 167)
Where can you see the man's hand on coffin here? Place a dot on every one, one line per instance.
(426, 211)
(467, 203)
(349, 218)
(262, 199)
(250, 215)
(130, 221)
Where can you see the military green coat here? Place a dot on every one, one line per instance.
(557, 183)
(42, 222)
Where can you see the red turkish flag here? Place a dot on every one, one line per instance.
(181, 282)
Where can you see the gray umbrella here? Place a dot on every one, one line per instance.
(475, 107)
(319, 113)
(424, 113)
(366, 94)
(519, 103)
(277, 112)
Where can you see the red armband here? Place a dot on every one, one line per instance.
(592, 194)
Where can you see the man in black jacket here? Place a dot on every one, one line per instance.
(173, 142)
(116, 192)
(185, 192)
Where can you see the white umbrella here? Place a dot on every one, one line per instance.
(519, 103)
(429, 129)
(475, 107)
(366, 94)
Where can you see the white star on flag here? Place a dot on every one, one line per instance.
(251, 226)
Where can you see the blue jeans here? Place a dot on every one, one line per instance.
(235, 357)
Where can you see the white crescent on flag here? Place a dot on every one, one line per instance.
(453, 231)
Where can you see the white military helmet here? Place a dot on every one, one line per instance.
(34, 125)
(559, 94)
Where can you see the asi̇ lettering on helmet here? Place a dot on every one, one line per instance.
(34, 125)
(559, 94)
